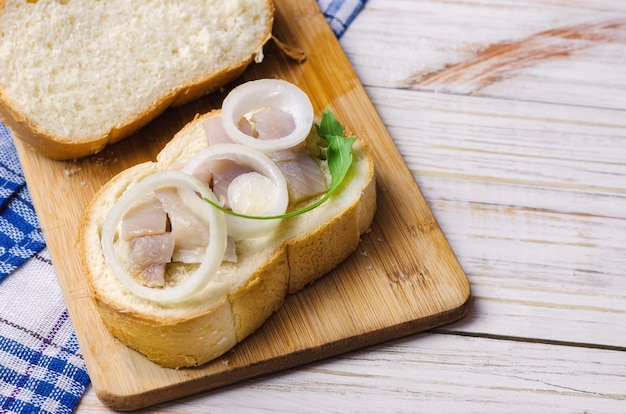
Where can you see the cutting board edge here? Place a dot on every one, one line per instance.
(299, 358)
(455, 309)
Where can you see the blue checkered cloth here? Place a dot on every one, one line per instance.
(41, 367)
(340, 13)
(20, 235)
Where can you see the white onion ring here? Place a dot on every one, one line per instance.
(273, 93)
(240, 227)
(213, 256)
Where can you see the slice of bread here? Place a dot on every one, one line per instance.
(75, 78)
(243, 294)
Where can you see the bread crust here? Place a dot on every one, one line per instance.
(303, 249)
(64, 148)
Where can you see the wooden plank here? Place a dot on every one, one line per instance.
(430, 373)
(569, 52)
(404, 278)
(570, 151)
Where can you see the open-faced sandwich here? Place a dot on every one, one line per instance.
(190, 254)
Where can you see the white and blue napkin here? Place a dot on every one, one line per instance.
(340, 13)
(41, 367)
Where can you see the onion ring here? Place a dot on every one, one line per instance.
(241, 227)
(273, 93)
(187, 187)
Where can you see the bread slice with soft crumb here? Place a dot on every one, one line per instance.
(243, 294)
(77, 76)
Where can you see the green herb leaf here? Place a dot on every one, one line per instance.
(338, 156)
(329, 125)
(339, 152)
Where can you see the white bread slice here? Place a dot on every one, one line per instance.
(76, 77)
(244, 294)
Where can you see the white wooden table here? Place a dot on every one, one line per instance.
(511, 114)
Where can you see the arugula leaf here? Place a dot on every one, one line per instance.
(338, 156)
(339, 152)
(329, 126)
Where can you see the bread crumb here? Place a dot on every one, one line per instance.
(71, 171)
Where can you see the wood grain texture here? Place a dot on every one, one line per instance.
(526, 177)
(404, 278)
(548, 51)
(530, 192)
(428, 373)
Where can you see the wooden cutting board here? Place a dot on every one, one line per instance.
(402, 279)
